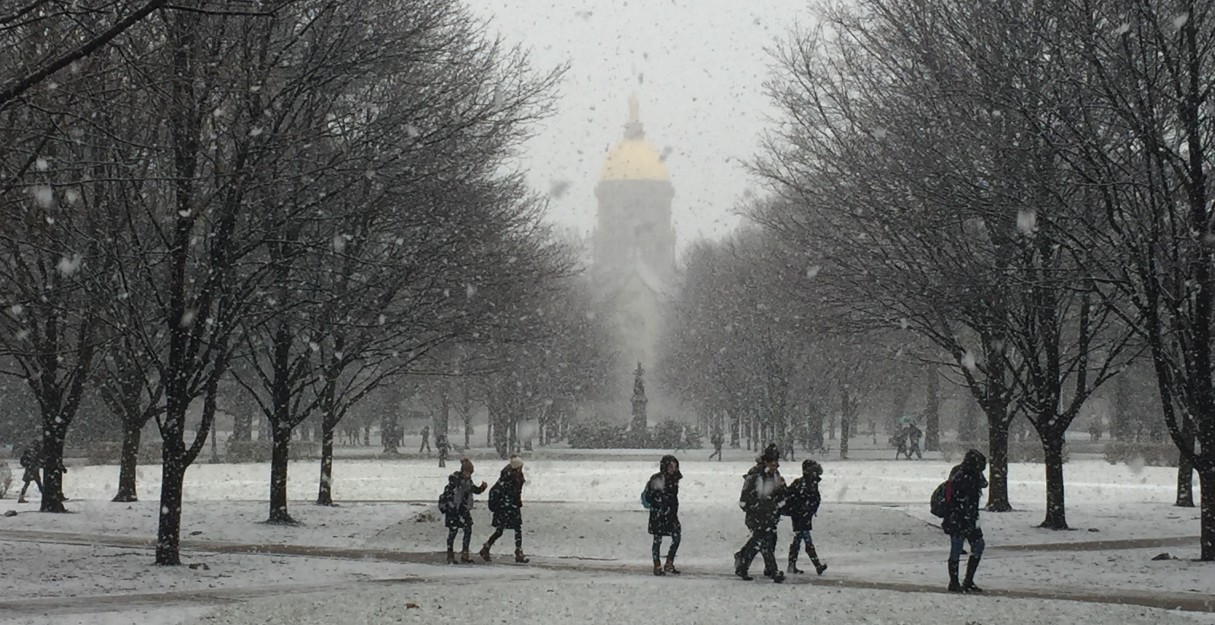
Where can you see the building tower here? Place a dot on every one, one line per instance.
(634, 241)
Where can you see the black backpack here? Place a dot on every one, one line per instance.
(447, 500)
(497, 497)
(942, 500)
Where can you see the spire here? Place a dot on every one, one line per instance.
(633, 129)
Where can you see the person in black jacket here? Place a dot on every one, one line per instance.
(31, 464)
(964, 492)
(506, 504)
(801, 504)
(662, 495)
(458, 511)
(762, 492)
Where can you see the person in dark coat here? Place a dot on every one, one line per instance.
(506, 504)
(914, 434)
(717, 439)
(425, 446)
(458, 514)
(662, 495)
(762, 493)
(963, 494)
(801, 504)
(443, 447)
(31, 465)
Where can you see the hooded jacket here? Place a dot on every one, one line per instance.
(506, 499)
(802, 501)
(662, 491)
(761, 496)
(965, 493)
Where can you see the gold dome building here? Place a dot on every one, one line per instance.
(634, 241)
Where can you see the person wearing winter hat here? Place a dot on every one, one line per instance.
(964, 493)
(458, 511)
(763, 490)
(662, 496)
(506, 504)
(801, 505)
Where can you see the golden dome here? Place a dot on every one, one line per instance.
(634, 158)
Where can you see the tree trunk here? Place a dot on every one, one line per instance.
(932, 413)
(997, 447)
(131, 435)
(279, 454)
(324, 496)
(242, 427)
(1120, 424)
(1056, 513)
(1185, 469)
(814, 425)
(846, 413)
(173, 475)
(968, 425)
(52, 469)
(735, 418)
(1206, 481)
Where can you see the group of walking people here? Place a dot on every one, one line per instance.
(764, 499)
(505, 503)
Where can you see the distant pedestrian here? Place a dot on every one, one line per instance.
(914, 434)
(31, 465)
(801, 504)
(661, 496)
(963, 493)
(762, 492)
(506, 504)
(443, 447)
(425, 446)
(717, 439)
(456, 504)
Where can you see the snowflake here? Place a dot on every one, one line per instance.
(68, 266)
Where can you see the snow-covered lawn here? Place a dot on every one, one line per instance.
(582, 514)
(620, 601)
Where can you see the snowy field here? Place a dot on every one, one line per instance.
(585, 527)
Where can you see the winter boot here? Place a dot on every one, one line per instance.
(972, 565)
(520, 558)
(465, 558)
(451, 557)
(778, 577)
(819, 567)
(792, 569)
(658, 572)
(484, 553)
(954, 586)
(670, 566)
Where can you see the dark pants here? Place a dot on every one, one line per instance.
(656, 548)
(974, 537)
(425, 446)
(763, 542)
(498, 534)
(716, 452)
(30, 476)
(451, 537)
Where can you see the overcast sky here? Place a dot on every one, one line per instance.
(698, 68)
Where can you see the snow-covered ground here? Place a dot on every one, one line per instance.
(583, 524)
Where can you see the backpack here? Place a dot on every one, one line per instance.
(447, 499)
(942, 500)
(497, 497)
(645, 500)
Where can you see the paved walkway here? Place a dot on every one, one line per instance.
(1193, 602)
